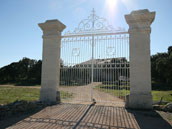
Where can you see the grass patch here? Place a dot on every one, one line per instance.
(158, 94)
(10, 94)
(116, 91)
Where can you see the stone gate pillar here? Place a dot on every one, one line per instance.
(140, 66)
(50, 60)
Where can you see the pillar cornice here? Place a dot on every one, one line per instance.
(140, 21)
(52, 27)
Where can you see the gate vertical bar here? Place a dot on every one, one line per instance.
(92, 62)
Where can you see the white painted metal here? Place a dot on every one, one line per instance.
(92, 63)
(92, 59)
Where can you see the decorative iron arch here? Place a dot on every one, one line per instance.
(94, 25)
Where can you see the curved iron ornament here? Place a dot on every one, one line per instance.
(110, 51)
(75, 52)
(94, 25)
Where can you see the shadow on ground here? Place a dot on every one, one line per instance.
(92, 116)
(13, 119)
(149, 120)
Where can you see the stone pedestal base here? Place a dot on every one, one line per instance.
(48, 95)
(138, 101)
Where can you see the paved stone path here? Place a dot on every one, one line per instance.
(77, 116)
(82, 116)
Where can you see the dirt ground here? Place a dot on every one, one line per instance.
(82, 95)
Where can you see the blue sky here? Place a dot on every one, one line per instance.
(20, 35)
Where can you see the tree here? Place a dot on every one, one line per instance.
(161, 66)
(170, 50)
(24, 72)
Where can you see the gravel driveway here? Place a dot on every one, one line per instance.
(82, 95)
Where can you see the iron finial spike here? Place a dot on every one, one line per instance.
(93, 19)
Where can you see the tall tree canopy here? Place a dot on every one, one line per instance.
(26, 71)
(161, 64)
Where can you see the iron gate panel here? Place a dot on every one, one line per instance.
(94, 62)
(74, 75)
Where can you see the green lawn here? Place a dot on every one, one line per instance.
(156, 94)
(9, 94)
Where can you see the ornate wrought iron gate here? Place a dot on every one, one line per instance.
(95, 62)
